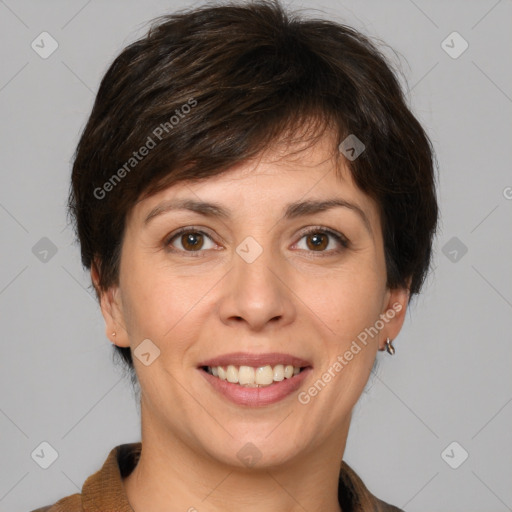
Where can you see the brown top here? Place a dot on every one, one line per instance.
(104, 491)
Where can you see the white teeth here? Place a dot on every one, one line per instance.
(232, 374)
(254, 377)
(288, 371)
(264, 376)
(278, 372)
(246, 375)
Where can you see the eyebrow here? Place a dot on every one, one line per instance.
(292, 210)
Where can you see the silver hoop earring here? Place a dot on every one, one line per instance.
(389, 347)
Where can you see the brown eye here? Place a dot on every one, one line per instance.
(318, 240)
(189, 240)
(192, 241)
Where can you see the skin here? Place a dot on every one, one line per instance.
(294, 298)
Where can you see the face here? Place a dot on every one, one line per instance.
(263, 277)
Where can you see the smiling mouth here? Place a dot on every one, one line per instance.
(254, 377)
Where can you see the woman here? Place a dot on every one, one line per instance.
(256, 204)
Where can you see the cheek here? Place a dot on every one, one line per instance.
(162, 306)
(347, 301)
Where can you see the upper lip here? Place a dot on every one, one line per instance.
(255, 360)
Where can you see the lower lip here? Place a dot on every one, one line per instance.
(257, 397)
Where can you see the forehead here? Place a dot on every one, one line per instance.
(282, 180)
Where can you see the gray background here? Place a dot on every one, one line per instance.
(450, 379)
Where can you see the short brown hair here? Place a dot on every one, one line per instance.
(210, 87)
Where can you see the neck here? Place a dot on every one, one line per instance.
(170, 476)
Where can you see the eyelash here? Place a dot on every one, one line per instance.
(314, 230)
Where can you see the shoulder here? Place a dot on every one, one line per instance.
(386, 507)
(355, 496)
(71, 503)
(104, 487)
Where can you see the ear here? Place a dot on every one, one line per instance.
(112, 310)
(393, 313)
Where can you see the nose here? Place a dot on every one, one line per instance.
(257, 294)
